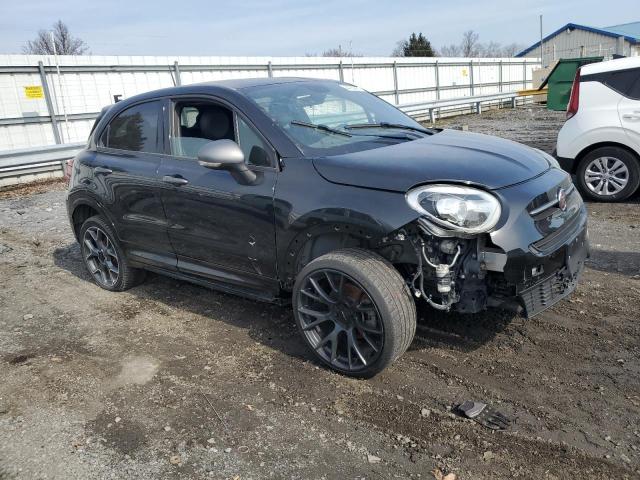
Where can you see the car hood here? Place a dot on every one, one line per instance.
(448, 156)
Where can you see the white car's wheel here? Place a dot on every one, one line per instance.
(608, 174)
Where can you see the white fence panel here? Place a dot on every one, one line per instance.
(87, 83)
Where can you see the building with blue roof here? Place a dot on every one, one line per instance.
(573, 40)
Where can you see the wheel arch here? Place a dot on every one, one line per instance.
(319, 240)
(324, 238)
(81, 208)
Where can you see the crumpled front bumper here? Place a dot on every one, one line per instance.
(562, 281)
(543, 255)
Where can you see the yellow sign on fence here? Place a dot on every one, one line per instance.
(33, 91)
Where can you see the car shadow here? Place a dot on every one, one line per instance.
(623, 263)
(273, 325)
(459, 331)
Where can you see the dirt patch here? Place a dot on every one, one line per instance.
(17, 191)
(170, 380)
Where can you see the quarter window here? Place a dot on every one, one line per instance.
(625, 82)
(634, 91)
(135, 129)
(622, 80)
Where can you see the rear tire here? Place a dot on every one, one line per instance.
(354, 311)
(608, 174)
(104, 258)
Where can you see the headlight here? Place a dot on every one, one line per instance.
(463, 209)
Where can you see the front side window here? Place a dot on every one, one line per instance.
(198, 123)
(135, 129)
(331, 118)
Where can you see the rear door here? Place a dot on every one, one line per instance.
(128, 155)
(629, 106)
(219, 229)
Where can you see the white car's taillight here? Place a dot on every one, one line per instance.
(574, 100)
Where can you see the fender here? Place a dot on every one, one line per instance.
(334, 216)
(79, 198)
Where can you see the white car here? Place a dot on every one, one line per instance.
(600, 141)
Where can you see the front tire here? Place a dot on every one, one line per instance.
(354, 311)
(608, 174)
(104, 258)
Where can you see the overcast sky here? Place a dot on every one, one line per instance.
(293, 27)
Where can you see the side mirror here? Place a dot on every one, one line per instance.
(226, 155)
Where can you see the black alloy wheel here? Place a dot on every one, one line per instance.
(340, 320)
(354, 311)
(100, 257)
(104, 258)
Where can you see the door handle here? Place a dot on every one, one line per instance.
(628, 116)
(175, 180)
(103, 170)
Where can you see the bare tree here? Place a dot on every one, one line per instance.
(398, 51)
(469, 45)
(491, 49)
(340, 52)
(449, 51)
(512, 49)
(65, 43)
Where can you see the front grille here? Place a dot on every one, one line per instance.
(556, 226)
(560, 236)
(546, 202)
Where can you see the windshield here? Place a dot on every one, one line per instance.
(329, 118)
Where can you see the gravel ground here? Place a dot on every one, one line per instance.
(170, 380)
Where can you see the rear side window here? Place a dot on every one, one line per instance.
(634, 91)
(135, 129)
(625, 82)
(99, 117)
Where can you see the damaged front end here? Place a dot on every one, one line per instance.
(525, 257)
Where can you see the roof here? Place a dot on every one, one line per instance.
(219, 86)
(631, 29)
(612, 65)
(632, 34)
(240, 83)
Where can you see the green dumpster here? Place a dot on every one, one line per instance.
(560, 80)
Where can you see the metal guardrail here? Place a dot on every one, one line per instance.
(26, 161)
(428, 109)
(34, 160)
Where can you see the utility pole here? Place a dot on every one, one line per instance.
(541, 50)
(351, 53)
(64, 107)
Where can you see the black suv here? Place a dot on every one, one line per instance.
(319, 193)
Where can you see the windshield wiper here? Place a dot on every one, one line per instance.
(388, 125)
(322, 128)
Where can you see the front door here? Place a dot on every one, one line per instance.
(219, 228)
